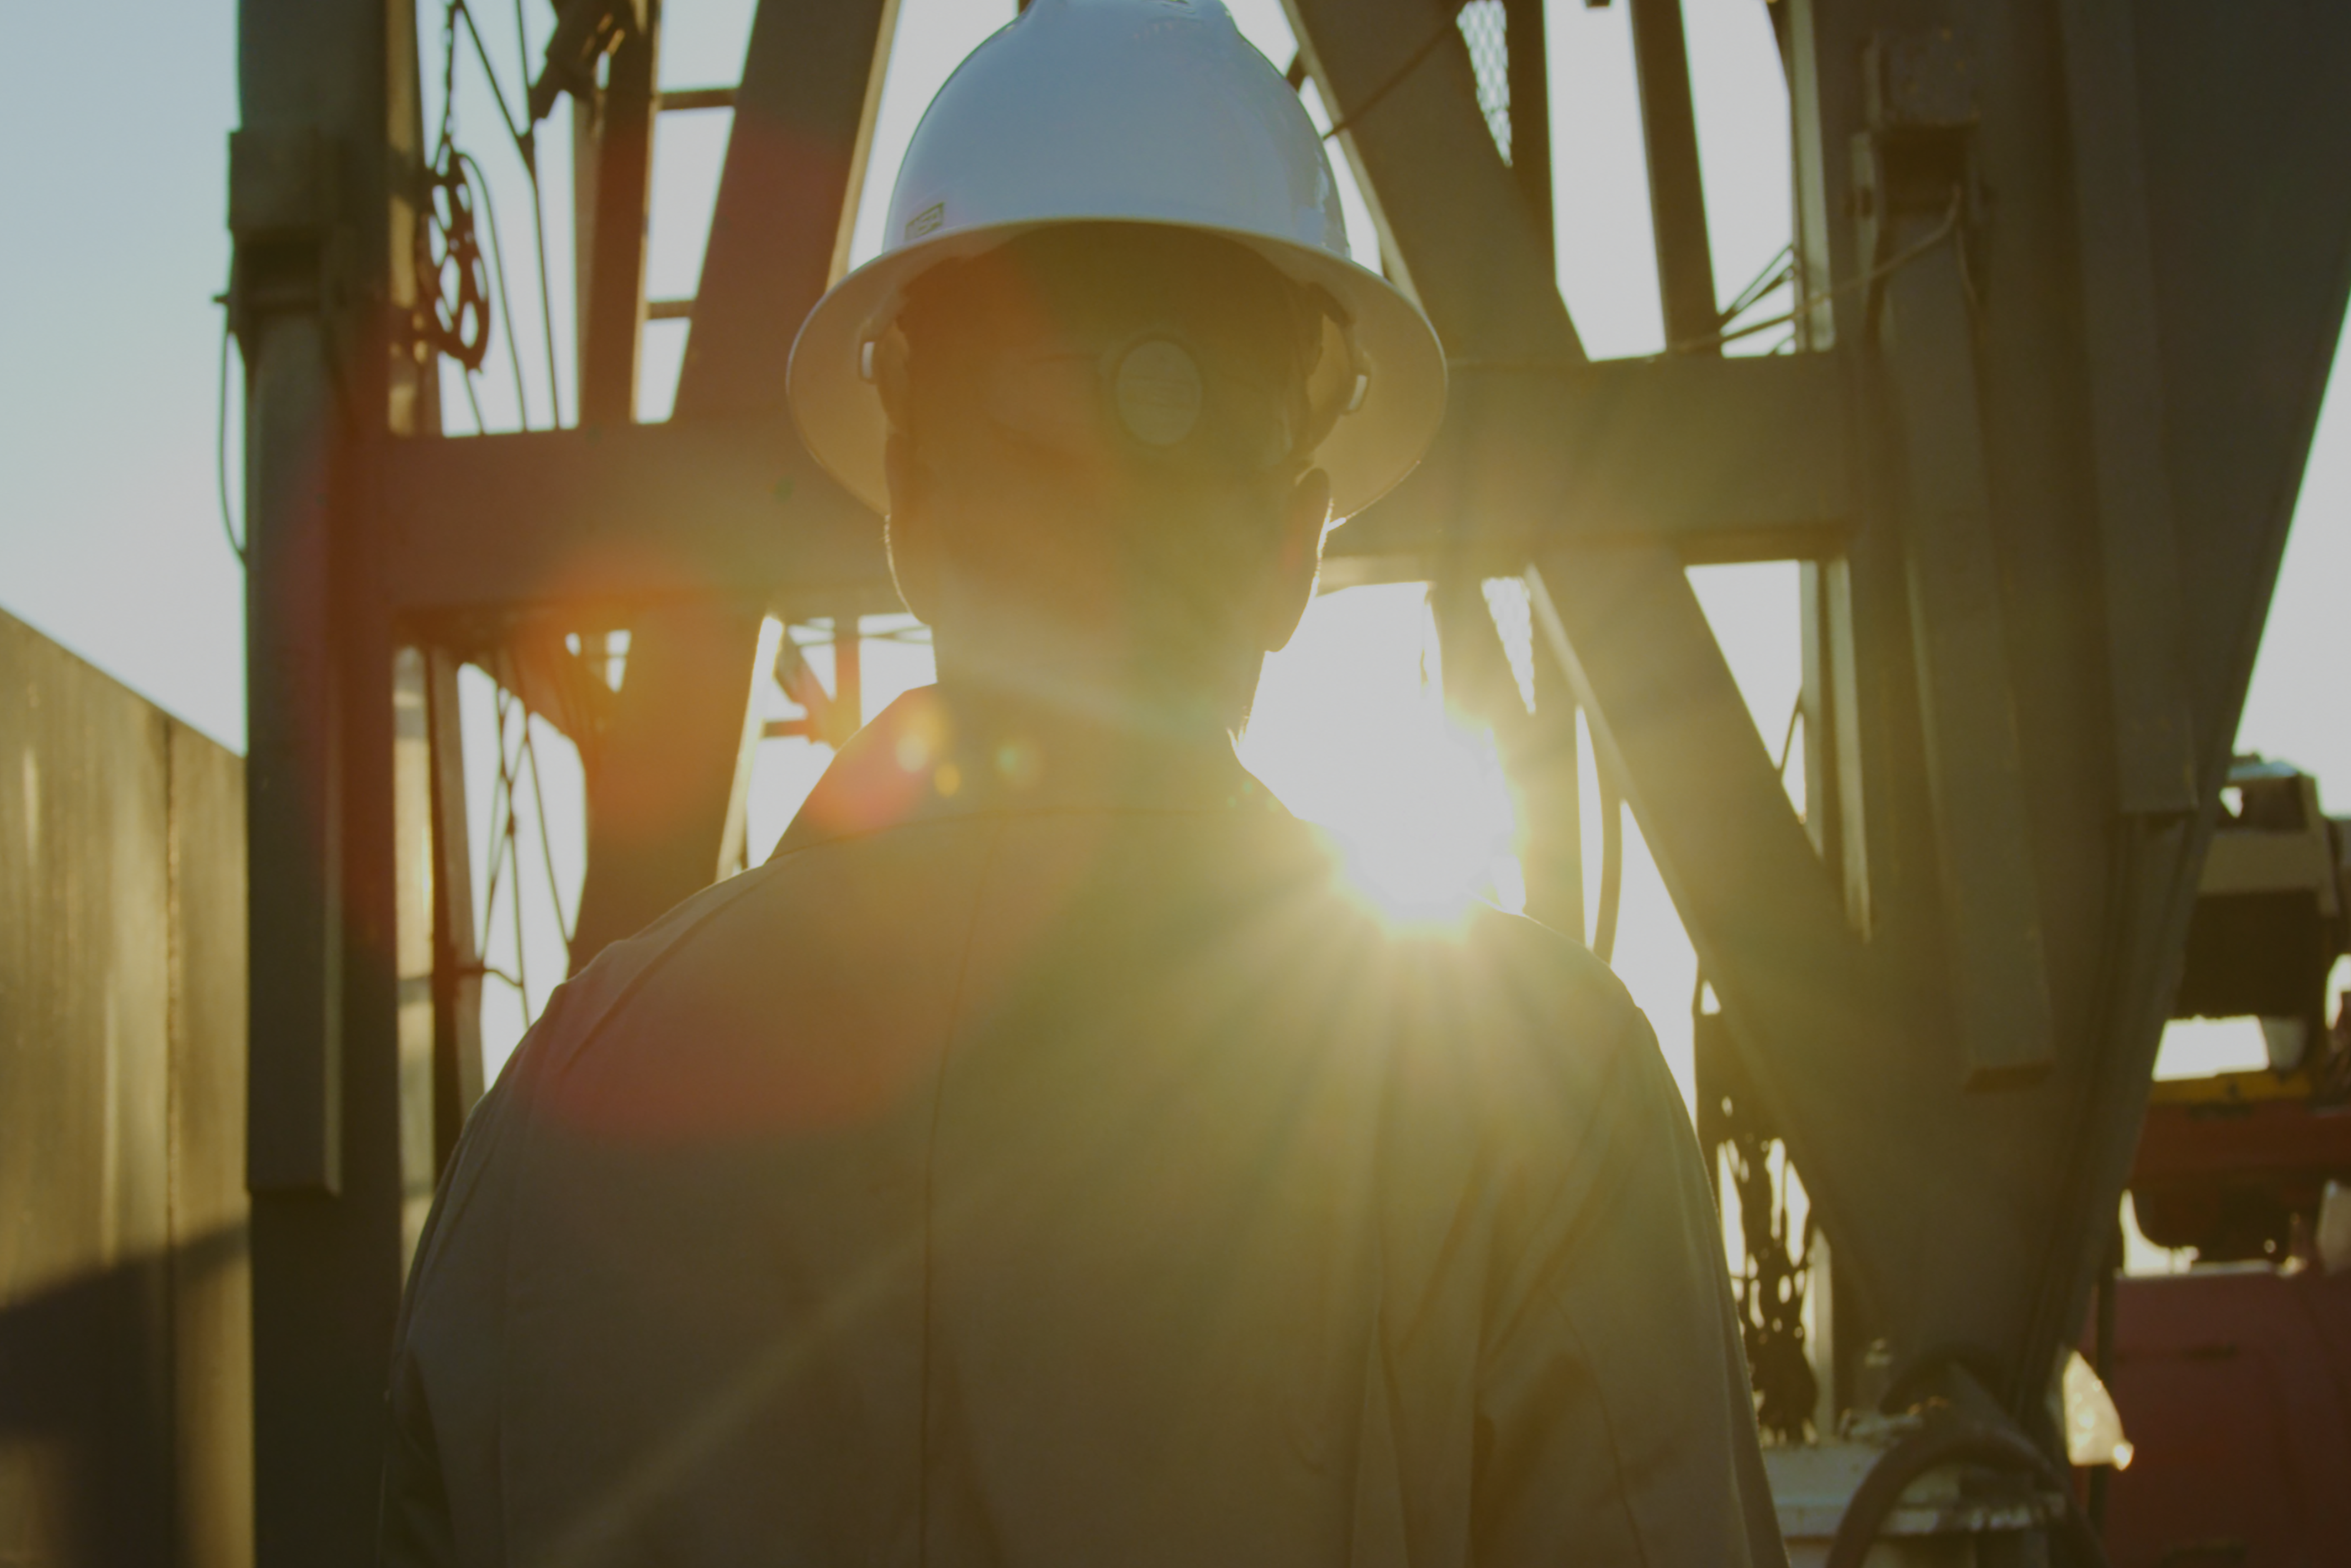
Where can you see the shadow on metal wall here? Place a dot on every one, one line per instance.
(90, 1436)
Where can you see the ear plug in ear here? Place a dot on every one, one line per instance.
(1157, 392)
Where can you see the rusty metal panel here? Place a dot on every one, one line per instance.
(124, 1333)
(84, 1352)
(212, 1292)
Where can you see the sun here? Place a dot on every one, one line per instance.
(1353, 734)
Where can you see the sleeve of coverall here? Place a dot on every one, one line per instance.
(1615, 1421)
(439, 1500)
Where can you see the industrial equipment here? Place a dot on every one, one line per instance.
(2068, 279)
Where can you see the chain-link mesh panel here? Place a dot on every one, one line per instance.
(1485, 29)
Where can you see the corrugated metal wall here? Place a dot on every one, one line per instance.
(125, 1336)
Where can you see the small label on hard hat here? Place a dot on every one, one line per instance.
(1158, 393)
(926, 221)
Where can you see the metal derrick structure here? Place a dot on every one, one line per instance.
(2072, 274)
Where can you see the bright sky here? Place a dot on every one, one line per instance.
(111, 540)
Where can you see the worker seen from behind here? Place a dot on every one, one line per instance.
(1043, 1160)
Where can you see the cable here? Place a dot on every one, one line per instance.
(492, 970)
(545, 845)
(527, 145)
(510, 844)
(1612, 868)
(498, 841)
(1787, 740)
(220, 442)
(1887, 269)
(481, 425)
(1780, 269)
(460, 174)
(498, 94)
(1952, 1440)
(505, 294)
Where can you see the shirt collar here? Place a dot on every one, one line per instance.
(933, 754)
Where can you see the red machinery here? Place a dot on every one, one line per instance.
(2234, 1380)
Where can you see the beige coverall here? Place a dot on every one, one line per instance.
(1025, 1177)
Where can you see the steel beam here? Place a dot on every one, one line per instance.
(1723, 460)
(456, 960)
(2155, 747)
(414, 875)
(1676, 191)
(608, 518)
(688, 732)
(787, 196)
(1845, 999)
(1974, 752)
(665, 792)
(2242, 135)
(1728, 460)
(1842, 981)
(1765, 915)
(1424, 158)
(1536, 740)
(1526, 38)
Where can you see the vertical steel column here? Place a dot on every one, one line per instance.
(295, 468)
(457, 963)
(1529, 79)
(619, 157)
(330, 110)
(1544, 765)
(415, 870)
(848, 677)
(1537, 745)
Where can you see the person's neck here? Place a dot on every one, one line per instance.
(1073, 683)
(1075, 737)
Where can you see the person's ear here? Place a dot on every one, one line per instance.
(910, 531)
(1298, 558)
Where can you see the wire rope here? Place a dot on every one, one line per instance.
(499, 814)
(481, 425)
(1394, 79)
(1780, 269)
(526, 143)
(545, 847)
(220, 441)
(498, 266)
(1884, 269)
(482, 53)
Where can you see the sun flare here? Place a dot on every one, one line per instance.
(1351, 731)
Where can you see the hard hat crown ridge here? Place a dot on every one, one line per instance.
(1125, 112)
(1222, 137)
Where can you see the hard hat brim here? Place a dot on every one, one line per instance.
(841, 420)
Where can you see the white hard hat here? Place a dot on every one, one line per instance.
(1129, 112)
